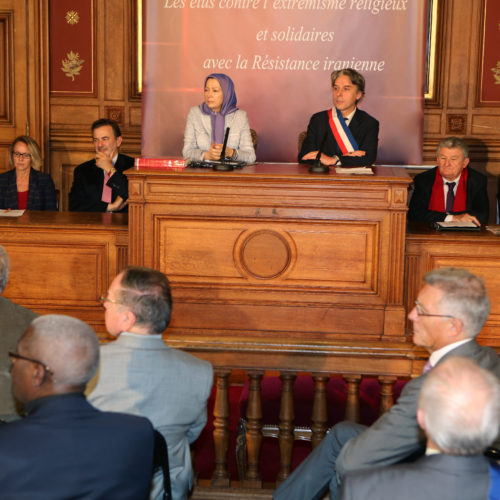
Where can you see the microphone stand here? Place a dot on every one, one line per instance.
(317, 167)
(222, 165)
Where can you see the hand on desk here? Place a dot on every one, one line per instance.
(467, 218)
(324, 159)
(330, 160)
(215, 150)
(359, 152)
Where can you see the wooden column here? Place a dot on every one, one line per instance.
(254, 426)
(319, 412)
(220, 476)
(352, 406)
(287, 417)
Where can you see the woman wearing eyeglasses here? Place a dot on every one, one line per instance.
(25, 187)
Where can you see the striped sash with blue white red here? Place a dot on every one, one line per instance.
(341, 132)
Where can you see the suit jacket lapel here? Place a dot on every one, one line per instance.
(12, 189)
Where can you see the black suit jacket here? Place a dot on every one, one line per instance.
(41, 195)
(434, 477)
(363, 127)
(476, 203)
(86, 191)
(65, 448)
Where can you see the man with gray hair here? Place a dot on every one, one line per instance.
(142, 375)
(64, 447)
(15, 320)
(449, 313)
(452, 191)
(459, 411)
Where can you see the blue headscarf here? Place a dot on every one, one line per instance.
(228, 106)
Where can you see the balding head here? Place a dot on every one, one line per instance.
(4, 268)
(459, 407)
(68, 346)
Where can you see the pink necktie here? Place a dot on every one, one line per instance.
(106, 190)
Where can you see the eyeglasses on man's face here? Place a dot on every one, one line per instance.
(25, 156)
(421, 312)
(46, 368)
(105, 298)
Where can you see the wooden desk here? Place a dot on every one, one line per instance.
(479, 252)
(62, 262)
(271, 251)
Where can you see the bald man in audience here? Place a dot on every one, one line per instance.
(65, 448)
(452, 191)
(14, 321)
(449, 313)
(459, 412)
(142, 375)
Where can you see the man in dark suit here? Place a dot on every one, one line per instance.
(99, 185)
(452, 191)
(345, 134)
(15, 320)
(64, 447)
(448, 315)
(459, 411)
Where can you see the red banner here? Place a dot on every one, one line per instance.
(71, 47)
(490, 77)
(280, 54)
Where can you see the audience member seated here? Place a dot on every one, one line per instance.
(140, 374)
(65, 448)
(24, 186)
(449, 312)
(15, 321)
(206, 125)
(345, 134)
(99, 185)
(459, 411)
(452, 191)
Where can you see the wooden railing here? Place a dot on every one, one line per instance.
(387, 362)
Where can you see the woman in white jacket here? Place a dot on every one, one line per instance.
(206, 125)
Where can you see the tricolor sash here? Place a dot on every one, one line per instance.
(341, 132)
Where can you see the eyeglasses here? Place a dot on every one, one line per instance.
(15, 355)
(421, 312)
(26, 156)
(105, 298)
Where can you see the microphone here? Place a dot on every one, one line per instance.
(223, 152)
(317, 167)
(223, 166)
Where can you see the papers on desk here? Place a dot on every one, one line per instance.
(494, 229)
(11, 213)
(456, 225)
(354, 170)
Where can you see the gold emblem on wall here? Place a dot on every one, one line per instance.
(496, 73)
(72, 65)
(72, 17)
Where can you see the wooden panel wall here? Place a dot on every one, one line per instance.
(23, 81)
(455, 108)
(114, 97)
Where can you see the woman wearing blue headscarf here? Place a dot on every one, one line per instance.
(206, 124)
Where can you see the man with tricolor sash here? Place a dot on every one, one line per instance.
(344, 135)
(452, 191)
